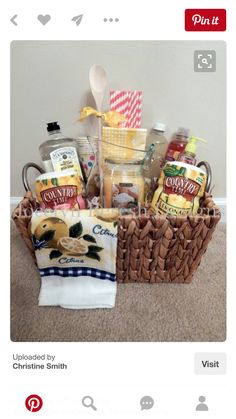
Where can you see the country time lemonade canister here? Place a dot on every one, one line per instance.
(60, 190)
(180, 187)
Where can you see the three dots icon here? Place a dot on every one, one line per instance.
(110, 20)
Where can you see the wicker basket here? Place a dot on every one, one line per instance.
(151, 248)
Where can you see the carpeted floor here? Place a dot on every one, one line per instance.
(143, 312)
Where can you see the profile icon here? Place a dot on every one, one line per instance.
(202, 406)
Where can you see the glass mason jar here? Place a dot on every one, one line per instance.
(123, 184)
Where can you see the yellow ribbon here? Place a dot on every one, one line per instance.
(111, 118)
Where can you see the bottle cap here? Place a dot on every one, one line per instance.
(53, 126)
(184, 132)
(159, 126)
(191, 147)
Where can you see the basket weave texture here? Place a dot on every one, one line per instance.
(150, 248)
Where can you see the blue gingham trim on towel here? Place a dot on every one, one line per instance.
(96, 273)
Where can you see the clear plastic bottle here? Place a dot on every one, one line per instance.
(157, 137)
(177, 144)
(149, 182)
(60, 153)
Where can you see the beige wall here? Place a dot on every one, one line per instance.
(49, 81)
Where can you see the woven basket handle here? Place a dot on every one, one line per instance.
(208, 172)
(25, 173)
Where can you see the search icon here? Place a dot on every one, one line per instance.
(87, 401)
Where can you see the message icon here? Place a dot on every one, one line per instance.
(146, 403)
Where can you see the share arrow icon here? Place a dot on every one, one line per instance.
(77, 19)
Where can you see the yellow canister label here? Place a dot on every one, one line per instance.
(180, 188)
(60, 190)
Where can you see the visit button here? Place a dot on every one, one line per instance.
(205, 20)
(210, 363)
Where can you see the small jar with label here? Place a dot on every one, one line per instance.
(123, 184)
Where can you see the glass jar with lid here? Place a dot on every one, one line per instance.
(123, 184)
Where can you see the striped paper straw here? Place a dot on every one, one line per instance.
(135, 109)
(128, 103)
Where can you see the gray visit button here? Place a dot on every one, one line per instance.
(210, 363)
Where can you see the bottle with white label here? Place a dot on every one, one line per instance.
(60, 153)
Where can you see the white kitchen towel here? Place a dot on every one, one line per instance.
(76, 257)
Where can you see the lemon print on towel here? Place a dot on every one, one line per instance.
(55, 234)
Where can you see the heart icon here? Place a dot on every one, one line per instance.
(44, 19)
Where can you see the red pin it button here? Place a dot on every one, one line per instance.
(210, 20)
(33, 403)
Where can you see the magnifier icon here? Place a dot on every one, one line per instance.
(204, 61)
(87, 401)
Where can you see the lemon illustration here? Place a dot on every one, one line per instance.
(72, 246)
(51, 230)
(109, 215)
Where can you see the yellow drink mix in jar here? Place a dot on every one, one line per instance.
(180, 187)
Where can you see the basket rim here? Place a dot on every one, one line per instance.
(28, 205)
